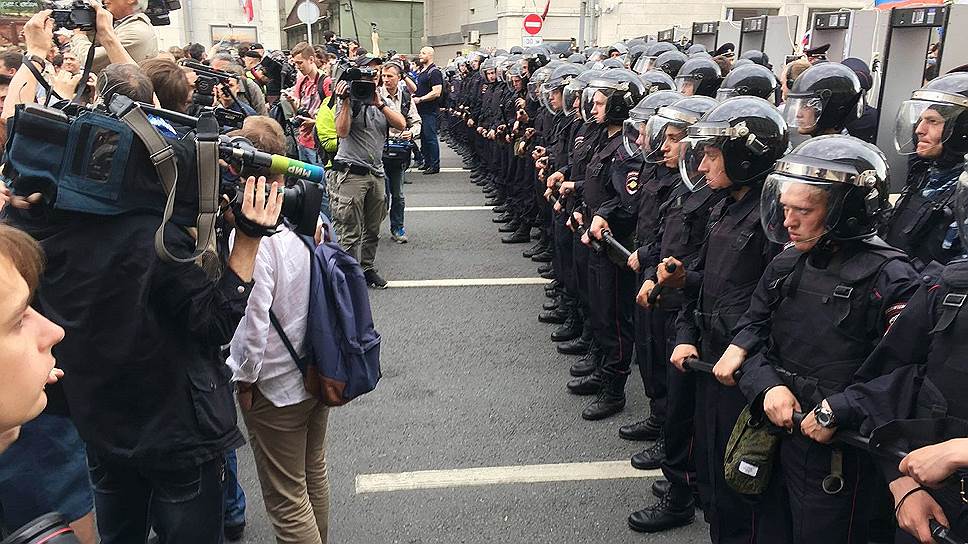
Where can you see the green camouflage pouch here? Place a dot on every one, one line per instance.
(750, 453)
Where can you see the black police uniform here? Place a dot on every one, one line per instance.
(732, 260)
(818, 315)
(916, 382)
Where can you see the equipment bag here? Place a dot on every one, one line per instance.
(341, 342)
(750, 453)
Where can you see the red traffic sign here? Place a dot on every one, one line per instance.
(532, 24)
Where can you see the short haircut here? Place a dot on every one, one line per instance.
(196, 51)
(177, 52)
(169, 81)
(797, 67)
(724, 64)
(12, 58)
(125, 79)
(266, 134)
(395, 65)
(24, 253)
(304, 50)
(328, 35)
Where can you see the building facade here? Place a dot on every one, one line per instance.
(462, 25)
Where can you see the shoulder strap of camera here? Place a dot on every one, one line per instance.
(163, 158)
(82, 83)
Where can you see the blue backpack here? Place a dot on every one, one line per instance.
(343, 355)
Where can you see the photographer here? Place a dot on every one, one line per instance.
(396, 156)
(358, 194)
(246, 90)
(131, 27)
(305, 99)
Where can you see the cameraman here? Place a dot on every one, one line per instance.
(246, 90)
(131, 27)
(358, 194)
(396, 157)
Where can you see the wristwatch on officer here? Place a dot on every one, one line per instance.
(824, 416)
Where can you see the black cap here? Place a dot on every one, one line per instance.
(256, 45)
(366, 60)
(728, 49)
(861, 69)
(252, 54)
(819, 51)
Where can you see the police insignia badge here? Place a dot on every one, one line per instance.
(632, 182)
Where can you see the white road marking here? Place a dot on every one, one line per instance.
(449, 208)
(523, 474)
(467, 282)
(444, 170)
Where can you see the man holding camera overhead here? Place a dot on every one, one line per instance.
(133, 30)
(358, 191)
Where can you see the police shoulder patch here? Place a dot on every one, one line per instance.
(632, 182)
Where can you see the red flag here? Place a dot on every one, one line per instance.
(247, 10)
(545, 12)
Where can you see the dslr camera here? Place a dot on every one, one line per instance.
(158, 10)
(77, 15)
(362, 86)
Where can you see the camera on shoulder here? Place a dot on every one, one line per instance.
(79, 15)
(361, 86)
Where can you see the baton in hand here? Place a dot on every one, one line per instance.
(615, 244)
(657, 290)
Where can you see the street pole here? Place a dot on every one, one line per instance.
(581, 26)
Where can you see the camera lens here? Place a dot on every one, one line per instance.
(47, 529)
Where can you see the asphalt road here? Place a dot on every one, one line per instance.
(470, 379)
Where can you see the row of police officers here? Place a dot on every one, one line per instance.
(680, 226)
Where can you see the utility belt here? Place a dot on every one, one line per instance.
(354, 169)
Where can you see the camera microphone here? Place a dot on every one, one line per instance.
(277, 164)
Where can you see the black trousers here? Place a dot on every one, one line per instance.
(679, 466)
(612, 297)
(563, 259)
(182, 505)
(650, 355)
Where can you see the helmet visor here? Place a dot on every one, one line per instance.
(724, 93)
(550, 96)
(588, 98)
(571, 97)
(655, 136)
(799, 210)
(692, 153)
(803, 112)
(643, 64)
(924, 126)
(633, 135)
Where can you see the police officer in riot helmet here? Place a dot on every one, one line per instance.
(696, 48)
(700, 76)
(608, 200)
(670, 62)
(932, 127)
(757, 57)
(748, 80)
(657, 80)
(913, 400)
(823, 99)
(646, 60)
(577, 58)
(845, 286)
(731, 151)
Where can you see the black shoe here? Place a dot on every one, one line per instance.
(551, 305)
(578, 346)
(650, 458)
(549, 275)
(586, 385)
(492, 202)
(586, 364)
(533, 250)
(545, 256)
(374, 280)
(570, 330)
(503, 218)
(547, 267)
(551, 288)
(500, 208)
(429, 171)
(511, 226)
(233, 533)
(610, 401)
(555, 317)
(667, 513)
(519, 236)
(660, 488)
(649, 429)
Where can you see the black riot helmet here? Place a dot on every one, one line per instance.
(636, 51)
(657, 80)
(847, 176)
(699, 76)
(938, 112)
(476, 57)
(639, 117)
(757, 57)
(612, 63)
(577, 58)
(748, 80)
(516, 50)
(619, 48)
(696, 48)
(679, 115)
(622, 89)
(670, 62)
(536, 57)
(560, 77)
(572, 93)
(824, 99)
(646, 61)
(742, 138)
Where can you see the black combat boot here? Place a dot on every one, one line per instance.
(520, 236)
(505, 217)
(545, 256)
(587, 385)
(538, 247)
(511, 226)
(610, 401)
(650, 458)
(674, 509)
(570, 329)
(660, 488)
(556, 317)
(578, 346)
(649, 429)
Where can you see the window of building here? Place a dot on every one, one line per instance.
(738, 14)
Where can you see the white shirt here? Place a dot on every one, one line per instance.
(257, 354)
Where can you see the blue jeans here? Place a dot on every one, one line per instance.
(309, 155)
(181, 504)
(395, 171)
(429, 145)
(234, 496)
